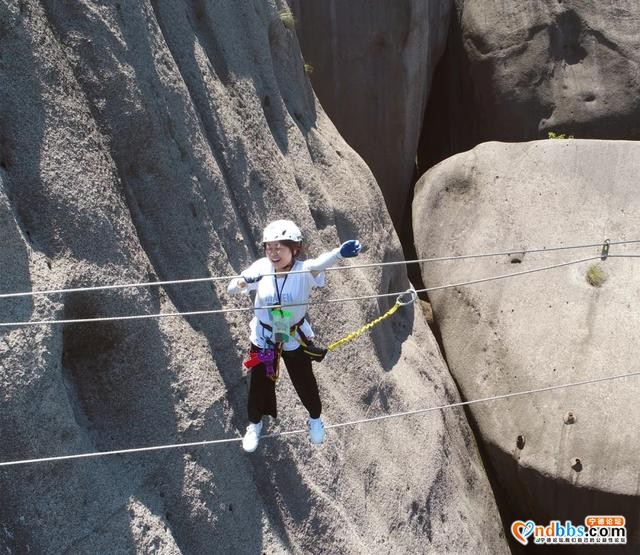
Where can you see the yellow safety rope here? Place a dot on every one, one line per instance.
(375, 322)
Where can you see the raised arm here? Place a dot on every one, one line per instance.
(348, 249)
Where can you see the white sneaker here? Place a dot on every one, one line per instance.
(252, 437)
(316, 430)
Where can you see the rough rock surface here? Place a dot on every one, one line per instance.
(372, 66)
(515, 71)
(545, 328)
(568, 66)
(153, 140)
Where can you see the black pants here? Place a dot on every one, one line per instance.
(262, 390)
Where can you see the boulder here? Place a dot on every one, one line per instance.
(371, 66)
(563, 66)
(153, 140)
(571, 452)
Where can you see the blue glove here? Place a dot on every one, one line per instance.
(252, 279)
(349, 249)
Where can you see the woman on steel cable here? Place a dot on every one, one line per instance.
(281, 332)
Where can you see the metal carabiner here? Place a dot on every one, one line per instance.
(605, 250)
(413, 296)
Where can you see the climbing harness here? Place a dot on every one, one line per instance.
(312, 351)
(271, 355)
(281, 330)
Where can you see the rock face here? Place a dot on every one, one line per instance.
(571, 452)
(515, 71)
(372, 66)
(153, 140)
(567, 66)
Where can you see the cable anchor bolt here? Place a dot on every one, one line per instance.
(412, 297)
(605, 250)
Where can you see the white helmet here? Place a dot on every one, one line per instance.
(281, 230)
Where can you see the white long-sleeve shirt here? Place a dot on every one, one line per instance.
(294, 290)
